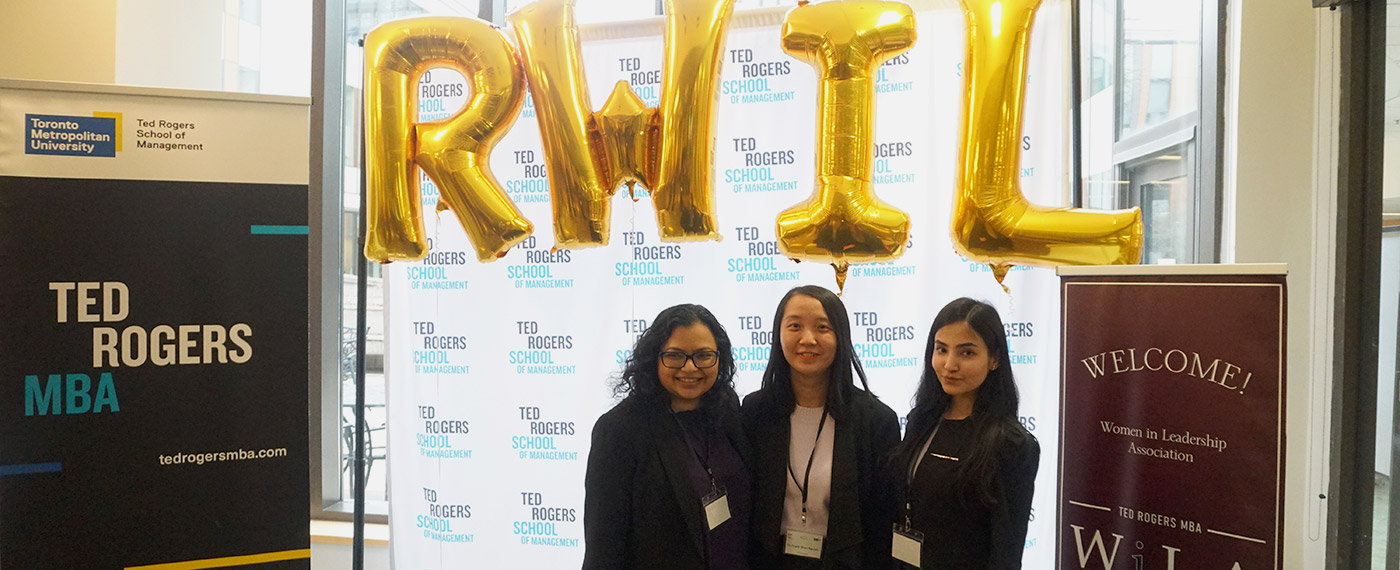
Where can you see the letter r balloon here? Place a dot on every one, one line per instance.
(454, 152)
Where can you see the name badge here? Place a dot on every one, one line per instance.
(804, 544)
(908, 545)
(716, 508)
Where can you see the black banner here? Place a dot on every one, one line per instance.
(153, 358)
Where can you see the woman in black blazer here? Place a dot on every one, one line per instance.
(966, 470)
(818, 443)
(667, 483)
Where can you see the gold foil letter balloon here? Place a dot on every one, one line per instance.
(669, 149)
(843, 221)
(992, 221)
(579, 185)
(454, 152)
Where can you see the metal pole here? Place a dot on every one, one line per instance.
(357, 556)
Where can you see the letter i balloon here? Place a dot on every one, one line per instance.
(843, 222)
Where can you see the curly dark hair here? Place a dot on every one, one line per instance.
(639, 378)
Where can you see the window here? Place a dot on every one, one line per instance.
(361, 16)
(1147, 120)
(1385, 500)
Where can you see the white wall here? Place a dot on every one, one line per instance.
(170, 44)
(57, 40)
(286, 48)
(1273, 177)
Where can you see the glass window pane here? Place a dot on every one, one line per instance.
(1101, 22)
(1385, 536)
(1383, 553)
(592, 12)
(250, 11)
(1162, 185)
(1098, 24)
(361, 16)
(1141, 70)
(1161, 63)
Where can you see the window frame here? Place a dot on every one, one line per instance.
(326, 281)
(1204, 128)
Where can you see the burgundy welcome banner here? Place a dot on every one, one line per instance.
(1171, 418)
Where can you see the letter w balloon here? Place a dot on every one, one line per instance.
(668, 149)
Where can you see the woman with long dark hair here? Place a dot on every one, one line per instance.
(818, 442)
(966, 467)
(668, 483)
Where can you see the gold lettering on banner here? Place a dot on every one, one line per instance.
(1214, 370)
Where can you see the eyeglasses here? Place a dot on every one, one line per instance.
(677, 360)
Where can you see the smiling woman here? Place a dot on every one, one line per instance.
(966, 469)
(667, 483)
(818, 441)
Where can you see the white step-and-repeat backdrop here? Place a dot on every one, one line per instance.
(497, 371)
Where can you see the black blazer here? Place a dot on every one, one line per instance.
(859, 532)
(639, 509)
(1015, 487)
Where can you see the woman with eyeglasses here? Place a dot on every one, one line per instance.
(667, 483)
(818, 442)
(967, 467)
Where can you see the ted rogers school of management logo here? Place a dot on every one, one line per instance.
(70, 135)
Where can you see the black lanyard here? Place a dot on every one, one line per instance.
(806, 483)
(914, 468)
(704, 461)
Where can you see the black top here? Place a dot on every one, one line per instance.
(727, 545)
(858, 532)
(960, 530)
(642, 507)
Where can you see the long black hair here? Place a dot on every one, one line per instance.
(993, 416)
(639, 377)
(845, 366)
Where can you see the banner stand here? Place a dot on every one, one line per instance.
(153, 357)
(1172, 390)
